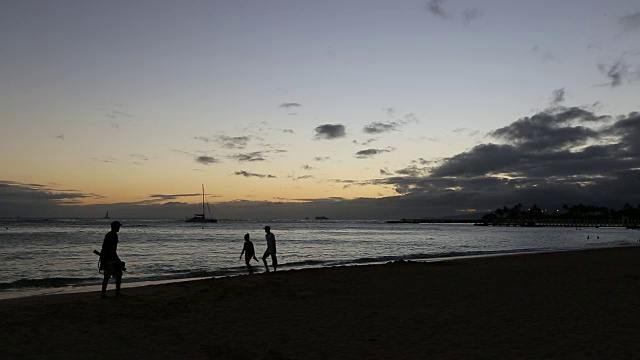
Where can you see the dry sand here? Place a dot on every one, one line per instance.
(572, 305)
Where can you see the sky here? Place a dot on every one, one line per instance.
(350, 109)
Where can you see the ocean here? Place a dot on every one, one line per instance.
(56, 255)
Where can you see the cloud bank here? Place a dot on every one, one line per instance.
(562, 155)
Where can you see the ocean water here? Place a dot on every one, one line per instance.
(56, 255)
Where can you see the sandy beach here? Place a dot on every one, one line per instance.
(569, 305)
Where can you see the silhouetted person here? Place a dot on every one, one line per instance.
(249, 252)
(109, 261)
(271, 249)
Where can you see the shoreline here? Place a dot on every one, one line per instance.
(74, 289)
(569, 304)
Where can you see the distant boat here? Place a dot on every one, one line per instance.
(322, 218)
(201, 218)
(107, 216)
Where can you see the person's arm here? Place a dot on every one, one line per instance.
(243, 248)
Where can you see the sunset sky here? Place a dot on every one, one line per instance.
(347, 109)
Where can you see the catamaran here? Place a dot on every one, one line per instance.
(201, 218)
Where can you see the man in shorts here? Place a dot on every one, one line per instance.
(109, 261)
(249, 252)
(271, 249)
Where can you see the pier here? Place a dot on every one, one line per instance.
(532, 222)
(571, 222)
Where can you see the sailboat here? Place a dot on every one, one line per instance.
(107, 216)
(201, 218)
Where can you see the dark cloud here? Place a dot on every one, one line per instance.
(395, 124)
(288, 131)
(630, 22)
(379, 127)
(60, 137)
(234, 142)
(330, 131)
(366, 142)
(227, 142)
(363, 154)
(303, 177)
(321, 158)
(172, 196)
(557, 97)
(249, 157)
(436, 7)
(385, 172)
(627, 129)
(307, 167)
(547, 160)
(290, 105)
(616, 73)
(206, 160)
(249, 174)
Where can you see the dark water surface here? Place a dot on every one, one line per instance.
(55, 254)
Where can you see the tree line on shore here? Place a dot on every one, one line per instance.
(579, 211)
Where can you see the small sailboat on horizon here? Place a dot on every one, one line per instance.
(107, 216)
(201, 218)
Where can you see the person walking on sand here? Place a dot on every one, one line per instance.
(249, 252)
(271, 249)
(109, 261)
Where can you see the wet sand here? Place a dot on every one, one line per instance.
(569, 305)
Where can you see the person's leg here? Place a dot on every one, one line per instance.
(274, 261)
(118, 282)
(264, 260)
(105, 282)
(247, 261)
